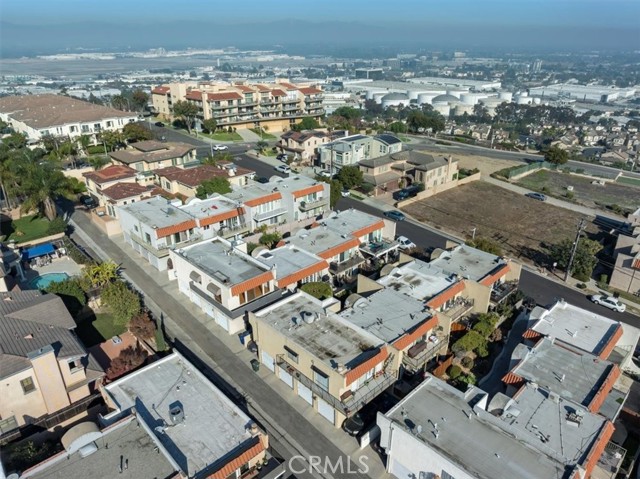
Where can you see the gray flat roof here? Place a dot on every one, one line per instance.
(127, 440)
(157, 211)
(573, 375)
(288, 259)
(387, 314)
(467, 262)
(220, 260)
(418, 279)
(469, 436)
(283, 185)
(578, 327)
(213, 426)
(210, 207)
(328, 337)
(318, 239)
(350, 221)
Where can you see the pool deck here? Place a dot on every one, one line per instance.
(58, 265)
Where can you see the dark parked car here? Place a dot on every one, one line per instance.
(159, 123)
(282, 157)
(88, 201)
(394, 215)
(536, 196)
(261, 179)
(404, 193)
(353, 425)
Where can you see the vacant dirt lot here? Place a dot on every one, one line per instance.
(522, 226)
(485, 164)
(584, 192)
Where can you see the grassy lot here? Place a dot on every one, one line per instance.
(584, 192)
(26, 228)
(264, 134)
(222, 136)
(92, 332)
(520, 225)
(628, 181)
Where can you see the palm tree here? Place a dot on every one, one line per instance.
(40, 184)
(100, 274)
(85, 141)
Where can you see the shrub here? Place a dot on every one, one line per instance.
(581, 286)
(95, 150)
(482, 350)
(128, 359)
(270, 239)
(584, 277)
(468, 379)
(496, 335)
(251, 247)
(603, 282)
(57, 225)
(161, 344)
(367, 188)
(569, 195)
(546, 190)
(142, 326)
(483, 328)
(317, 290)
(123, 303)
(469, 342)
(454, 371)
(71, 293)
(467, 362)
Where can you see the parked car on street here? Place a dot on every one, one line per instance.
(345, 193)
(283, 169)
(353, 425)
(405, 243)
(536, 196)
(404, 193)
(282, 157)
(609, 302)
(159, 123)
(325, 174)
(261, 179)
(394, 215)
(219, 147)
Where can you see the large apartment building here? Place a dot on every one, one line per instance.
(275, 107)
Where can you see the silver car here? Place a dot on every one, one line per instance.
(609, 302)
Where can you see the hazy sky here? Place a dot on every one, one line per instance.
(607, 13)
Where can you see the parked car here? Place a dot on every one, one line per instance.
(283, 169)
(345, 193)
(159, 123)
(282, 157)
(609, 302)
(88, 201)
(325, 174)
(405, 243)
(219, 147)
(353, 425)
(404, 193)
(536, 196)
(261, 179)
(394, 215)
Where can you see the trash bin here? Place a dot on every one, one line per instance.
(255, 364)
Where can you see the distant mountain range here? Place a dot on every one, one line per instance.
(299, 35)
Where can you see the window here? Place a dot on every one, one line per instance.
(321, 379)
(8, 424)
(446, 475)
(135, 227)
(291, 354)
(75, 365)
(28, 385)
(147, 238)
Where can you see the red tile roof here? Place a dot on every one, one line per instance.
(160, 90)
(251, 283)
(278, 92)
(169, 230)
(605, 388)
(444, 296)
(512, 379)
(238, 461)
(598, 448)
(194, 95)
(419, 331)
(244, 88)
(302, 274)
(194, 177)
(491, 278)
(120, 191)
(288, 86)
(368, 229)
(368, 365)
(607, 348)
(222, 96)
(341, 248)
(209, 220)
(310, 91)
(111, 173)
(263, 199)
(531, 334)
(307, 191)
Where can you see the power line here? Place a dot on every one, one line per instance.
(581, 227)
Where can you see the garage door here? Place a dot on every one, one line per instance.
(305, 393)
(195, 299)
(326, 410)
(267, 360)
(285, 377)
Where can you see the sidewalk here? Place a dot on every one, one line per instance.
(290, 421)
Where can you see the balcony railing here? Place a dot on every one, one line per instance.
(417, 356)
(354, 402)
(378, 248)
(163, 250)
(459, 308)
(337, 268)
(611, 459)
(228, 231)
(502, 291)
(310, 205)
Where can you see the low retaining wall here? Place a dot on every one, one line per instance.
(46, 239)
(429, 192)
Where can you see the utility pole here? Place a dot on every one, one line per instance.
(581, 227)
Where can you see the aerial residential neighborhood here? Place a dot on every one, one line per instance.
(382, 241)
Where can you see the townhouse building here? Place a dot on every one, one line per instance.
(294, 266)
(185, 181)
(274, 107)
(350, 150)
(146, 156)
(303, 144)
(331, 365)
(46, 372)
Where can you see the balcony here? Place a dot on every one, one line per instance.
(460, 308)
(353, 262)
(610, 461)
(290, 108)
(502, 291)
(247, 103)
(229, 231)
(269, 214)
(351, 402)
(163, 250)
(310, 205)
(379, 248)
(422, 352)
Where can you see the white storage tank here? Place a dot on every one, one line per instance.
(426, 98)
(456, 92)
(413, 94)
(471, 98)
(395, 99)
(444, 99)
(443, 108)
(378, 97)
(461, 109)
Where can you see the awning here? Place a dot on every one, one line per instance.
(213, 289)
(37, 251)
(195, 276)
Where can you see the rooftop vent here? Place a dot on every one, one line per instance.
(176, 413)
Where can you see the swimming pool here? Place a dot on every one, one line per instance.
(45, 280)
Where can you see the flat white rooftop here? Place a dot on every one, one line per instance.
(578, 327)
(467, 262)
(320, 239)
(387, 314)
(289, 259)
(350, 221)
(213, 426)
(418, 279)
(157, 212)
(210, 207)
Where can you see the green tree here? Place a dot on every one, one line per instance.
(85, 142)
(485, 244)
(101, 274)
(397, 127)
(15, 141)
(318, 290)
(41, 184)
(98, 162)
(454, 371)
(585, 258)
(136, 132)
(350, 177)
(307, 123)
(471, 341)
(120, 102)
(261, 146)
(139, 99)
(556, 156)
(57, 225)
(217, 184)
(210, 124)
(71, 293)
(270, 239)
(348, 112)
(123, 303)
(186, 111)
(112, 139)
